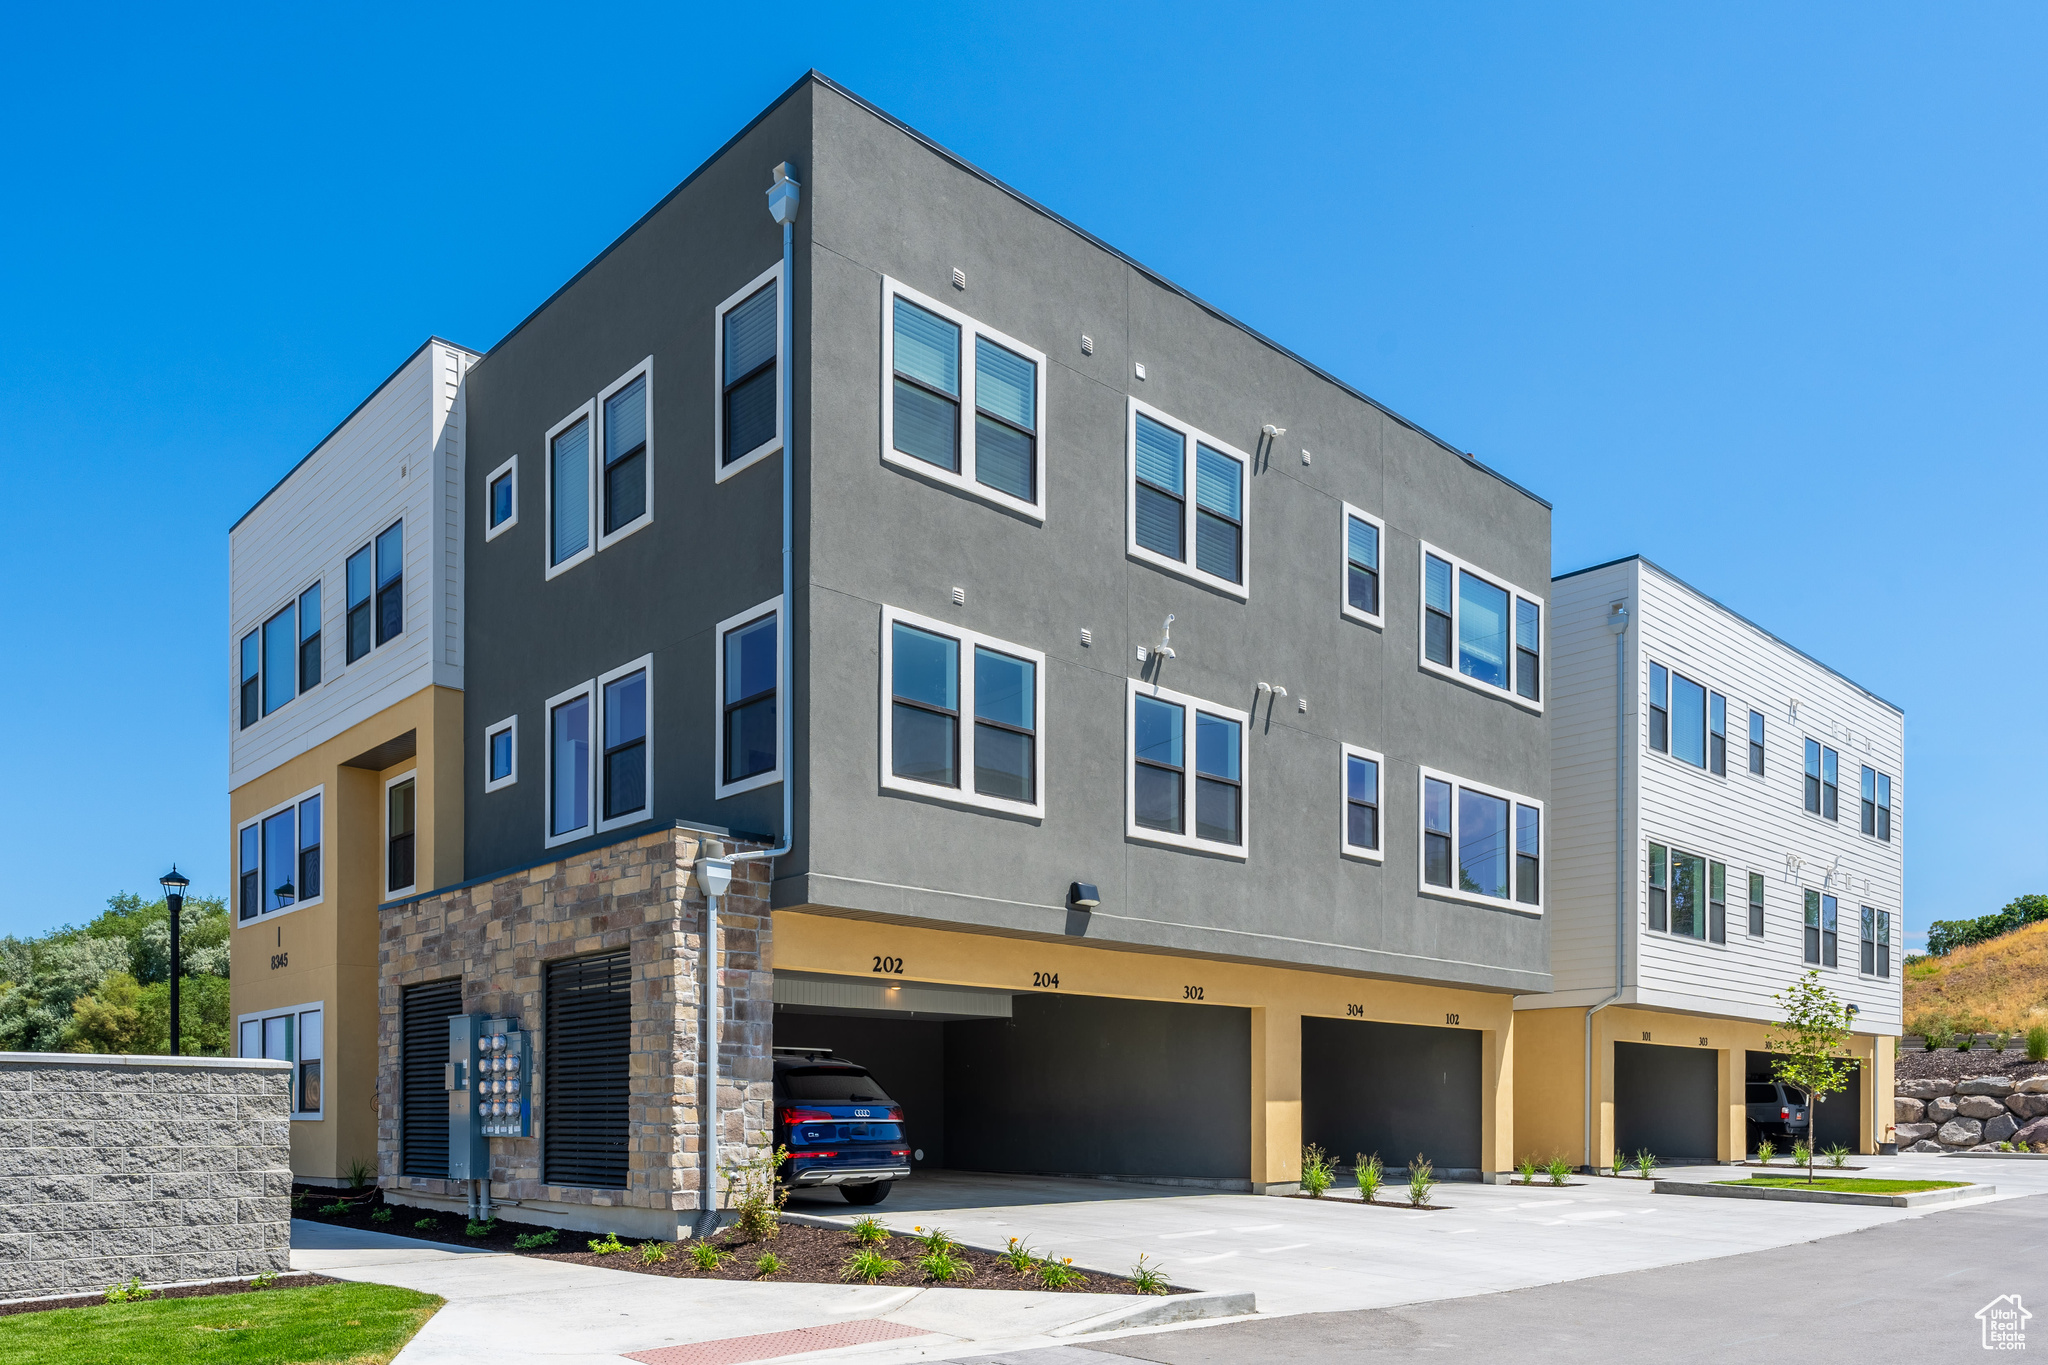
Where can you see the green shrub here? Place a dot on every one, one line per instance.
(654, 1253)
(1802, 1152)
(381, 1216)
(360, 1173)
(264, 1281)
(933, 1241)
(942, 1267)
(1318, 1171)
(766, 1264)
(2037, 1043)
(707, 1256)
(1147, 1279)
(1559, 1170)
(867, 1265)
(1836, 1155)
(1017, 1256)
(1526, 1169)
(606, 1245)
(754, 1194)
(1058, 1274)
(131, 1292)
(428, 1224)
(1619, 1164)
(1371, 1175)
(1646, 1162)
(339, 1206)
(476, 1229)
(1765, 1150)
(869, 1232)
(1421, 1180)
(534, 1241)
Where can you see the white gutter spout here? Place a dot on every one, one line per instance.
(1617, 621)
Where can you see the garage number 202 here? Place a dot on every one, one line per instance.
(889, 966)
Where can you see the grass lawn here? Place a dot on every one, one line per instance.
(363, 1324)
(1840, 1184)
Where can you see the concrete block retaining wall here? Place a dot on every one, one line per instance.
(163, 1168)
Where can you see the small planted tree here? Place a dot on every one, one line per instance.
(1806, 1043)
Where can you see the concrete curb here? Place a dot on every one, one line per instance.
(2003, 1156)
(1159, 1312)
(1771, 1194)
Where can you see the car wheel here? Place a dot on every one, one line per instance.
(872, 1193)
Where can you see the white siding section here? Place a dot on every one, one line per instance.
(1749, 823)
(400, 456)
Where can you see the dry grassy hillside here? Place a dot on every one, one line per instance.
(1994, 986)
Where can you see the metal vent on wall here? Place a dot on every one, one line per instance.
(584, 1051)
(423, 1012)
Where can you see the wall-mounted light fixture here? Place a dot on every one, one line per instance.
(1083, 896)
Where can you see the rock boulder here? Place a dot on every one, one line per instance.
(2027, 1106)
(2033, 1085)
(1960, 1133)
(1926, 1089)
(1913, 1132)
(2000, 1128)
(2037, 1131)
(1941, 1110)
(1907, 1111)
(1979, 1107)
(1997, 1086)
(1925, 1146)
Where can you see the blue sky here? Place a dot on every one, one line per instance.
(1754, 291)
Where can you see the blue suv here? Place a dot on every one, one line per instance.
(839, 1126)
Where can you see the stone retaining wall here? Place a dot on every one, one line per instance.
(1977, 1112)
(162, 1168)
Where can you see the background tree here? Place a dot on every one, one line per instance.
(106, 987)
(1807, 1044)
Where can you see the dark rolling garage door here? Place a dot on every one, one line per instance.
(1665, 1101)
(1392, 1089)
(1840, 1117)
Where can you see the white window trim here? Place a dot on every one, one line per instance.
(1746, 872)
(646, 518)
(235, 907)
(773, 445)
(585, 689)
(587, 412)
(1513, 653)
(509, 468)
(646, 808)
(1729, 907)
(964, 794)
(1453, 892)
(964, 481)
(1370, 618)
(1669, 752)
(1346, 753)
(722, 788)
(1132, 829)
(257, 1016)
(1184, 569)
(492, 784)
(384, 849)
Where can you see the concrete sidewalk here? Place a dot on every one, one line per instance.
(518, 1310)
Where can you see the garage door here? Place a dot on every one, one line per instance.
(1665, 1101)
(1840, 1118)
(1394, 1089)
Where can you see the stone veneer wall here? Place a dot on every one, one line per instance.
(499, 936)
(162, 1168)
(1936, 1115)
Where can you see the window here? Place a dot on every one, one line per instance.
(1688, 895)
(1717, 734)
(627, 479)
(1884, 943)
(1362, 532)
(1820, 929)
(1867, 942)
(1480, 843)
(626, 770)
(501, 499)
(1481, 629)
(1660, 708)
(278, 858)
(357, 575)
(747, 426)
(280, 659)
(1688, 721)
(391, 582)
(252, 679)
(1201, 537)
(937, 681)
(1822, 772)
(1361, 802)
(1756, 904)
(1877, 804)
(1170, 800)
(568, 775)
(501, 754)
(962, 404)
(569, 491)
(1756, 742)
(748, 662)
(309, 638)
(401, 872)
(294, 1035)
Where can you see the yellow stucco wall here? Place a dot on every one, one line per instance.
(1278, 998)
(326, 953)
(1549, 1100)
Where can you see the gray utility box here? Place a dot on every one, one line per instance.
(490, 1090)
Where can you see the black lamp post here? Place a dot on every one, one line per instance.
(174, 897)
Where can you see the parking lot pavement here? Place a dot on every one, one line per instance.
(1910, 1288)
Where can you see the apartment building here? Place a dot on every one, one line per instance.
(345, 714)
(1728, 815)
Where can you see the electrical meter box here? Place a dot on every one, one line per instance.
(489, 1082)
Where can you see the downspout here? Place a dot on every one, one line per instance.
(714, 875)
(1617, 621)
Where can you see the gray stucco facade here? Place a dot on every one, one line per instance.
(879, 201)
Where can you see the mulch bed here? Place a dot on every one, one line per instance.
(809, 1255)
(1912, 1064)
(183, 1291)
